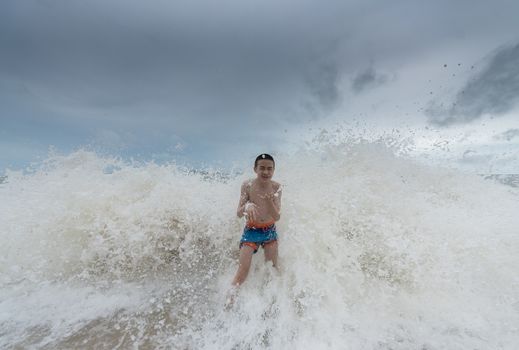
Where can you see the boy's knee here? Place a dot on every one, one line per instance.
(244, 268)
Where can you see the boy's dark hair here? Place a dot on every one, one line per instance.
(263, 156)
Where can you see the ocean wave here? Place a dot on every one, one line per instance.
(377, 251)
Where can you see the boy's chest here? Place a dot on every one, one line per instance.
(259, 196)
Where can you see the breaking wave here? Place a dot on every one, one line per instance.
(377, 251)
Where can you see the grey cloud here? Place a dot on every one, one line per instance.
(222, 59)
(495, 91)
(324, 85)
(170, 63)
(507, 135)
(204, 69)
(367, 79)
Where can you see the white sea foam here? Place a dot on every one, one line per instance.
(376, 251)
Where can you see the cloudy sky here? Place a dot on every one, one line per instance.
(215, 81)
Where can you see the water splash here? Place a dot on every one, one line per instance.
(377, 251)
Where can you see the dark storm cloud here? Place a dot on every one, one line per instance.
(323, 85)
(494, 91)
(145, 73)
(367, 79)
(182, 62)
(187, 61)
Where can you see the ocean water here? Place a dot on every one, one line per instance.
(377, 251)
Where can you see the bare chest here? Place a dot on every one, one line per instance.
(258, 197)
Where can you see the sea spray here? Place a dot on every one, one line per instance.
(377, 251)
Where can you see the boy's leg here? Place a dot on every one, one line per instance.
(271, 252)
(244, 265)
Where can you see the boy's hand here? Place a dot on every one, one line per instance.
(251, 211)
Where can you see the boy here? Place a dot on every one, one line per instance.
(260, 203)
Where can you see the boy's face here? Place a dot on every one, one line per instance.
(264, 169)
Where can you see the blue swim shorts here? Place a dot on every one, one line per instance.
(256, 235)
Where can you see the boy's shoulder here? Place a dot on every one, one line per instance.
(247, 184)
(276, 185)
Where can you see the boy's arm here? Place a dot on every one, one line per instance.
(244, 198)
(274, 204)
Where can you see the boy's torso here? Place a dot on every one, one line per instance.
(257, 195)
